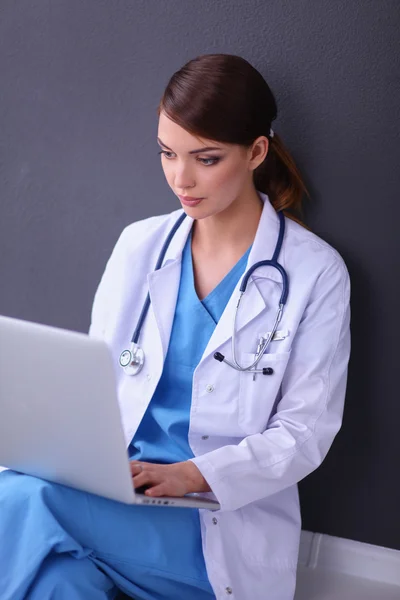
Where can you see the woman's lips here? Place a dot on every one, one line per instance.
(190, 201)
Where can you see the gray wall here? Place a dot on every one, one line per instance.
(80, 81)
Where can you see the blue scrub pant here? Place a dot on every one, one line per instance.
(57, 543)
(65, 577)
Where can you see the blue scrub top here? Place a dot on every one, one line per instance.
(162, 436)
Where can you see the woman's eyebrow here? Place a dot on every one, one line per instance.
(191, 151)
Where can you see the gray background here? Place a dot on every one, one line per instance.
(80, 82)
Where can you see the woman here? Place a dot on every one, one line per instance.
(193, 423)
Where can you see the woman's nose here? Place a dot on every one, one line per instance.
(183, 179)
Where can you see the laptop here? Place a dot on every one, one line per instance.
(59, 414)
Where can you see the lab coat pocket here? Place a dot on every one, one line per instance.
(257, 397)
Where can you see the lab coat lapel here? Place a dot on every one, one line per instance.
(164, 283)
(253, 303)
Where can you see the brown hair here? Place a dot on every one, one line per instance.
(224, 98)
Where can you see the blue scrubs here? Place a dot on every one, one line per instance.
(62, 543)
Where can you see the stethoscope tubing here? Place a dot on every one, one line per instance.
(136, 354)
(285, 291)
(146, 306)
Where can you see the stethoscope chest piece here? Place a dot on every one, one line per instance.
(132, 360)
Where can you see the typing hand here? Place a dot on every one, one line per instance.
(177, 479)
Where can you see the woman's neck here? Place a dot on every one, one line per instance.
(233, 229)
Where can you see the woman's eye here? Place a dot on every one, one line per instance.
(165, 153)
(207, 162)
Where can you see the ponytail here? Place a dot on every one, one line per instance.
(279, 178)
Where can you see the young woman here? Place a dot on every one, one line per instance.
(201, 416)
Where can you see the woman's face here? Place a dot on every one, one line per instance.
(220, 177)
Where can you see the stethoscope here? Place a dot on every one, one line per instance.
(132, 360)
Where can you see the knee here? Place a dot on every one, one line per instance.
(15, 483)
(16, 489)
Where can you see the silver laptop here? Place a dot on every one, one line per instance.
(59, 414)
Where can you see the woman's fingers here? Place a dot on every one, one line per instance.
(139, 475)
(153, 477)
(158, 490)
(136, 469)
(160, 480)
(137, 465)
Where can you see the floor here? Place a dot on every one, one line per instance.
(324, 584)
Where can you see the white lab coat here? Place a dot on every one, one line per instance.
(252, 440)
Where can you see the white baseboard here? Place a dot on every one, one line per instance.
(376, 563)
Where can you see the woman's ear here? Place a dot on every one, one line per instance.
(258, 152)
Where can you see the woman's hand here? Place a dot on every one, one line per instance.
(177, 479)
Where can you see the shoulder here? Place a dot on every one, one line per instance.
(306, 250)
(139, 232)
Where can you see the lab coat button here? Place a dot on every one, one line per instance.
(215, 521)
(204, 437)
(148, 376)
(209, 388)
(228, 590)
